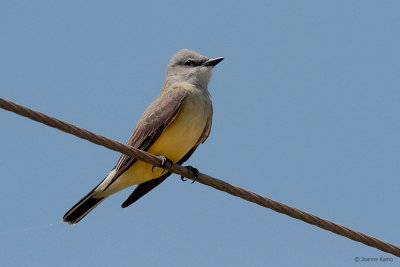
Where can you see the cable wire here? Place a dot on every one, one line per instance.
(202, 178)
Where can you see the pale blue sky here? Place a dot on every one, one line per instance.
(306, 112)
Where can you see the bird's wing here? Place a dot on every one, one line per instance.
(207, 129)
(143, 189)
(146, 187)
(154, 120)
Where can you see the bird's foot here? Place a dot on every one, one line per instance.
(195, 174)
(164, 161)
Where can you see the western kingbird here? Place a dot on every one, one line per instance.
(172, 126)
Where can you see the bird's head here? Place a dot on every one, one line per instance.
(188, 66)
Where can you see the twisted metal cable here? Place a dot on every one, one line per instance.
(202, 178)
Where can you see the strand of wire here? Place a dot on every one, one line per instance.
(202, 178)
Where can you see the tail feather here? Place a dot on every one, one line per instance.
(82, 208)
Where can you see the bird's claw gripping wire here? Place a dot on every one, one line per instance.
(195, 174)
(164, 161)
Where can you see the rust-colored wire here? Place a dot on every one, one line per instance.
(202, 178)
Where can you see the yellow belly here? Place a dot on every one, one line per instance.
(174, 143)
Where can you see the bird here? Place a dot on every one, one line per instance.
(173, 126)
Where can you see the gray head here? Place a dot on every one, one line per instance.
(188, 66)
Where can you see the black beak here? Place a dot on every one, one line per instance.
(213, 61)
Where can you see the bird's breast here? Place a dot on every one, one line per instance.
(185, 130)
(180, 136)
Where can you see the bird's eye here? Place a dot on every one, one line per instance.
(189, 62)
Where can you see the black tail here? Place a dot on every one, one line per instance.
(82, 208)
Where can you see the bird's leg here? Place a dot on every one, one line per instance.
(164, 161)
(195, 174)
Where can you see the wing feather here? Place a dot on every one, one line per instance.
(146, 187)
(151, 124)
